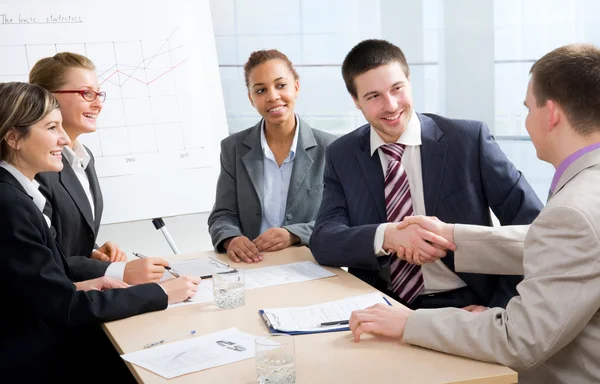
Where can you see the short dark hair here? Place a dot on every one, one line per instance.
(258, 57)
(570, 76)
(367, 55)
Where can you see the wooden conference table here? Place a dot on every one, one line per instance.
(320, 358)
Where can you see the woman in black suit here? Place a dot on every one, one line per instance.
(45, 307)
(74, 193)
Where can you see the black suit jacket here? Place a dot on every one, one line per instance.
(40, 297)
(71, 216)
(464, 174)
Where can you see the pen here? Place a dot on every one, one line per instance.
(339, 322)
(173, 273)
(159, 342)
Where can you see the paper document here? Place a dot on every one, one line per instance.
(284, 274)
(309, 319)
(202, 266)
(265, 277)
(204, 294)
(195, 354)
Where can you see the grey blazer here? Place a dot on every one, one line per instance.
(550, 332)
(239, 200)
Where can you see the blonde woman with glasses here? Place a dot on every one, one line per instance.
(74, 195)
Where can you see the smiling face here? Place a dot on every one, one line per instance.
(79, 115)
(40, 150)
(272, 90)
(384, 96)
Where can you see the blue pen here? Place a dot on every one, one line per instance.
(159, 342)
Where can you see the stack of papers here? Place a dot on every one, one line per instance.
(301, 320)
(195, 354)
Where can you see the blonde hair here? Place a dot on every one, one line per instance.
(21, 106)
(51, 72)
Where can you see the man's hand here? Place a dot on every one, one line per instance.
(416, 238)
(475, 308)
(275, 239)
(109, 252)
(148, 270)
(100, 284)
(431, 224)
(242, 249)
(181, 288)
(380, 319)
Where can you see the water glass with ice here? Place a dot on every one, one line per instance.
(229, 288)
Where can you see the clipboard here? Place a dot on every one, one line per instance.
(272, 329)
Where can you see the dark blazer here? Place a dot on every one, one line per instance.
(464, 174)
(41, 299)
(239, 200)
(71, 215)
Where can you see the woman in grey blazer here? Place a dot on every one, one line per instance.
(271, 180)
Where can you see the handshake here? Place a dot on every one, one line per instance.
(419, 239)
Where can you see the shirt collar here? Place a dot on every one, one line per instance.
(77, 155)
(265, 146)
(568, 161)
(410, 137)
(31, 187)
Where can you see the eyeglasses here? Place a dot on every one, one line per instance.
(87, 94)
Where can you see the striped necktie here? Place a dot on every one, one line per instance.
(407, 279)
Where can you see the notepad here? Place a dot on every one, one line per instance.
(301, 320)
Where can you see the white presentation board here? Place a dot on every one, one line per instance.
(157, 143)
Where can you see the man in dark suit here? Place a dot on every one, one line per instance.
(404, 163)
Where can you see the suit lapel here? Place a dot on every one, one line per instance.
(90, 171)
(370, 167)
(72, 185)
(253, 161)
(433, 162)
(6, 177)
(302, 161)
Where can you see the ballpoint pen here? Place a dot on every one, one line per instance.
(159, 342)
(172, 272)
(339, 322)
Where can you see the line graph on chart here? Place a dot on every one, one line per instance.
(147, 108)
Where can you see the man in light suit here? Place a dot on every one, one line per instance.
(550, 332)
(452, 169)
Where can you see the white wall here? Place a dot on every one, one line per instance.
(190, 233)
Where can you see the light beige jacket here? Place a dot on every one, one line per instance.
(550, 333)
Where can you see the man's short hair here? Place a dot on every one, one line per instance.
(367, 55)
(570, 76)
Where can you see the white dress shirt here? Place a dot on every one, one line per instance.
(31, 188)
(79, 159)
(436, 276)
(276, 182)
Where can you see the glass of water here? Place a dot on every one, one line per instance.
(275, 360)
(229, 288)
